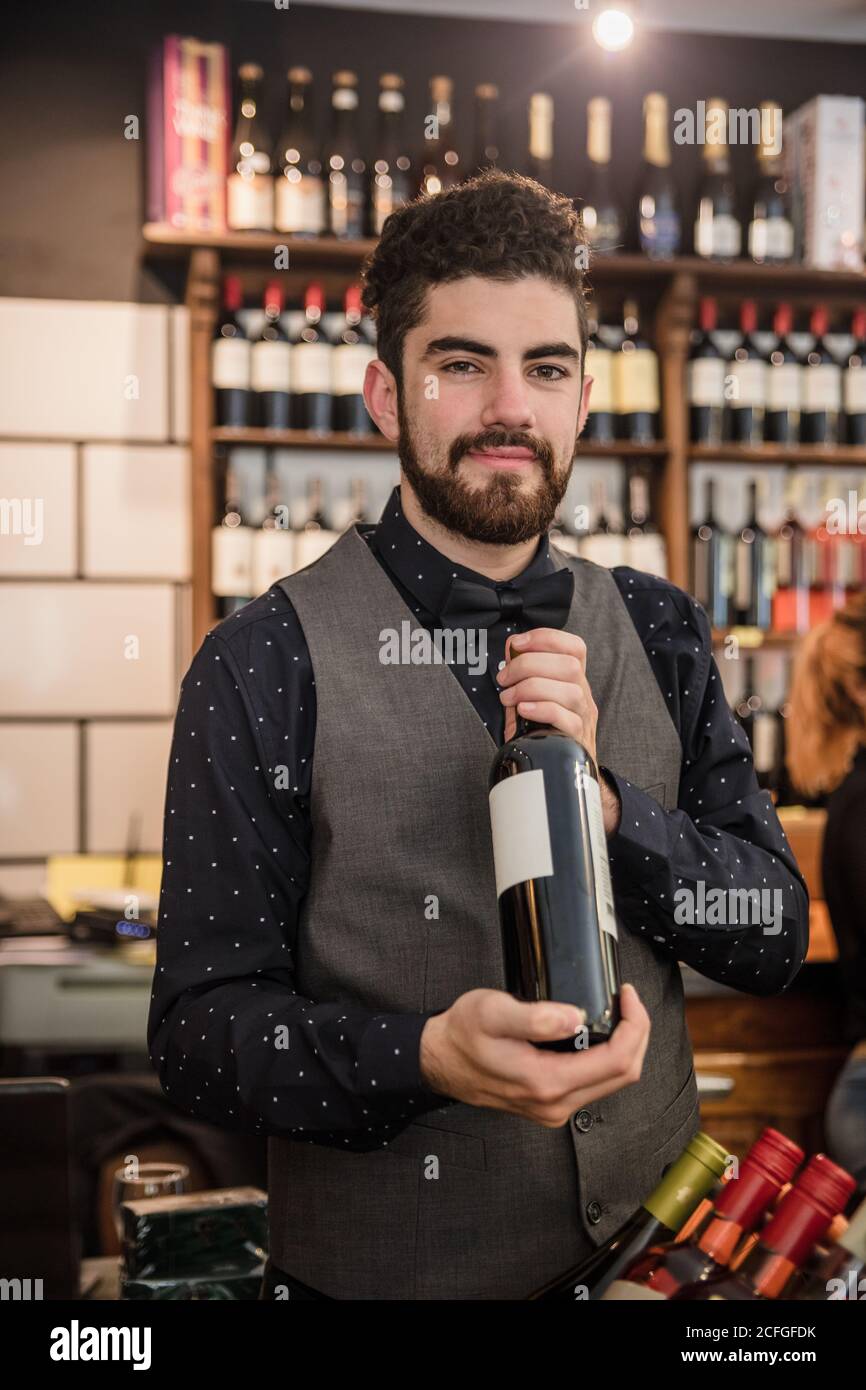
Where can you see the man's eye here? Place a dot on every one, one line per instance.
(459, 367)
(549, 367)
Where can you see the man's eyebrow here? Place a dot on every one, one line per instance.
(457, 344)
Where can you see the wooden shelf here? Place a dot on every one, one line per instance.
(755, 639)
(299, 439)
(167, 241)
(835, 456)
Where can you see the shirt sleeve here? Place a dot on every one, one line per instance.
(232, 1040)
(668, 868)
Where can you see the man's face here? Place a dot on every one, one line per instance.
(491, 406)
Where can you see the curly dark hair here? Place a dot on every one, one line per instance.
(500, 225)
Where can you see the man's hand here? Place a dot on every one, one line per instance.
(546, 682)
(480, 1051)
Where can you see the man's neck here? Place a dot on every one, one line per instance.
(497, 562)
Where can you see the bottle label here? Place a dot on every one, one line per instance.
(310, 545)
(626, 1289)
(648, 554)
(784, 386)
(717, 236)
(771, 239)
(250, 203)
(270, 367)
(232, 561)
(300, 205)
(660, 234)
(636, 381)
(707, 381)
(273, 557)
(822, 387)
(230, 364)
(599, 365)
(598, 848)
(749, 382)
(350, 366)
(311, 368)
(521, 833)
(855, 390)
(764, 741)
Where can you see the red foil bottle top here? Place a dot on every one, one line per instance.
(314, 298)
(803, 1215)
(818, 321)
(748, 316)
(232, 295)
(771, 1161)
(708, 315)
(783, 320)
(353, 299)
(274, 296)
(858, 324)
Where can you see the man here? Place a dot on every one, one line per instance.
(330, 970)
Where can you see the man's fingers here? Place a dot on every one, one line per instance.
(506, 1017)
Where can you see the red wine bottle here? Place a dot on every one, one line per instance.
(841, 1273)
(854, 383)
(784, 382)
(556, 908)
(684, 1185)
(391, 178)
(354, 348)
(230, 360)
(344, 163)
(822, 388)
(300, 194)
(754, 569)
(312, 399)
(269, 375)
(801, 1218)
(713, 564)
(668, 1269)
(706, 380)
(747, 370)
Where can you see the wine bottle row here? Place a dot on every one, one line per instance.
(624, 402)
(753, 394)
(310, 380)
(769, 1227)
(764, 721)
(785, 581)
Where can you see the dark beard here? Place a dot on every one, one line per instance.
(498, 514)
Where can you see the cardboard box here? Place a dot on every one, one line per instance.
(189, 97)
(824, 164)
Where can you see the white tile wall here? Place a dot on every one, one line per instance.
(126, 766)
(38, 789)
(37, 509)
(136, 511)
(78, 370)
(70, 643)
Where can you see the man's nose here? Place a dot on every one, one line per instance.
(508, 403)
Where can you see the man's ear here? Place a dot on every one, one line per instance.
(585, 393)
(380, 398)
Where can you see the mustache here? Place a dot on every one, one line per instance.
(501, 439)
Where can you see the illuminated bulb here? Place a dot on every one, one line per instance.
(613, 30)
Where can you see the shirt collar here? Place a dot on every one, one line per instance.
(424, 570)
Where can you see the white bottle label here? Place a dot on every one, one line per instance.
(749, 382)
(300, 205)
(250, 203)
(636, 381)
(311, 368)
(270, 366)
(784, 384)
(772, 239)
(855, 390)
(310, 545)
(273, 557)
(521, 834)
(230, 364)
(625, 1289)
(764, 742)
(717, 236)
(598, 848)
(349, 366)
(232, 561)
(822, 387)
(707, 381)
(599, 365)
(604, 550)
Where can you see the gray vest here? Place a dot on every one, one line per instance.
(399, 812)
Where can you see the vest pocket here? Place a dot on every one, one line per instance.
(679, 1114)
(449, 1146)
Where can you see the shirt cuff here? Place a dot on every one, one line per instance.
(641, 834)
(389, 1062)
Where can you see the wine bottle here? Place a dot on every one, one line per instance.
(669, 1269)
(822, 387)
(300, 201)
(556, 908)
(791, 598)
(270, 365)
(250, 187)
(344, 162)
(854, 383)
(231, 551)
(821, 560)
(487, 153)
(771, 231)
(658, 218)
(645, 546)
(713, 564)
(754, 569)
(747, 373)
(841, 1274)
(540, 163)
(636, 383)
(273, 542)
(821, 1190)
(440, 158)
(718, 235)
(230, 360)
(784, 384)
(600, 420)
(684, 1185)
(606, 542)
(600, 213)
(391, 179)
(354, 349)
(316, 535)
(706, 380)
(749, 702)
(310, 364)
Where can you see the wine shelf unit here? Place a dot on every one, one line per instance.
(672, 289)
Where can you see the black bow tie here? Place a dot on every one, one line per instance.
(542, 602)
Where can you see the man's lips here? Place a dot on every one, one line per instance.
(512, 457)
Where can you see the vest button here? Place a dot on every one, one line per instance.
(583, 1121)
(593, 1212)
